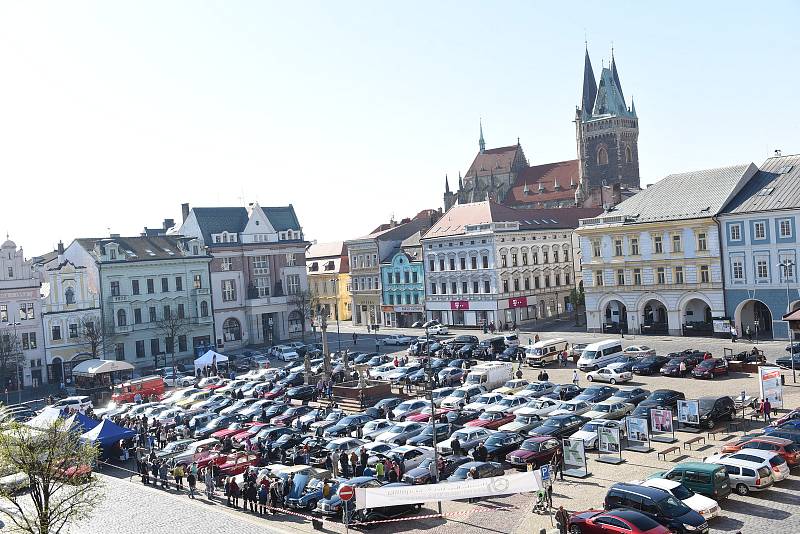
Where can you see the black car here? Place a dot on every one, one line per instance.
(422, 474)
(360, 357)
(484, 469)
(458, 418)
(786, 361)
(501, 443)
(464, 339)
(511, 354)
(292, 379)
(794, 347)
(425, 438)
(714, 409)
(564, 392)
(559, 426)
(658, 504)
(746, 356)
(642, 411)
(466, 350)
(594, 394)
(673, 366)
(388, 403)
(380, 359)
(301, 393)
(632, 395)
(649, 365)
(346, 426)
(665, 397)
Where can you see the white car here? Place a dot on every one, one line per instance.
(439, 394)
(382, 371)
(287, 353)
(400, 432)
(572, 407)
(397, 339)
(610, 375)
(462, 396)
(468, 437)
(178, 380)
(639, 350)
(609, 410)
(484, 401)
(541, 407)
(508, 404)
(79, 403)
(412, 456)
(588, 432)
(438, 329)
(701, 504)
(410, 407)
(512, 386)
(780, 469)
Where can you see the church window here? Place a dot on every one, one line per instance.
(602, 156)
(628, 155)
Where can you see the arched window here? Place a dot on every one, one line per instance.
(69, 295)
(628, 155)
(602, 156)
(122, 318)
(203, 308)
(232, 329)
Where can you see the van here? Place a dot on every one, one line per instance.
(658, 504)
(146, 386)
(597, 355)
(543, 352)
(710, 480)
(493, 345)
(745, 476)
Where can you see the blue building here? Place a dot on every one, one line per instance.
(759, 249)
(403, 283)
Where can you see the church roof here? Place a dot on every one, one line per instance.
(775, 186)
(609, 97)
(563, 173)
(495, 160)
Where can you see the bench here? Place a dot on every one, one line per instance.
(734, 425)
(690, 442)
(666, 451)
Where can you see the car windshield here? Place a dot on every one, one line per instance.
(461, 472)
(333, 416)
(526, 419)
(498, 440)
(649, 359)
(707, 404)
(397, 429)
(532, 446)
(675, 361)
(590, 427)
(591, 354)
(489, 416)
(682, 492)
(706, 364)
(672, 507)
(459, 393)
(592, 390)
(605, 408)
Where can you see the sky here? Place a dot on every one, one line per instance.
(114, 113)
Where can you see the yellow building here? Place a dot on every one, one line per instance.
(329, 279)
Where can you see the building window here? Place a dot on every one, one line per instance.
(165, 285)
(433, 288)
(661, 276)
(290, 259)
(678, 275)
(634, 246)
(762, 269)
(414, 277)
(527, 283)
(3, 313)
(505, 286)
(137, 316)
(738, 270)
(150, 286)
(151, 313)
(555, 256)
(786, 267)
(475, 287)
(658, 244)
(391, 299)
(514, 262)
(676, 243)
(226, 264)
(566, 254)
(260, 265)
(546, 280)
(503, 261)
(140, 348)
(119, 351)
(178, 283)
(134, 287)
(11, 272)
(618, 247)
(122, 318)
(228, 290)
(535, 258)
(537, 282)
(56, 332)
(232, 329)
(431, 265)
(736, 232)
(443, 288)
(115, 289)
(453, 288)
(704, 274)
(486, 287)
(464, 288)
(262, 286)
(69, 296)
(516, 284)
(441, 264)
(293, 284)
(203, 308)
(26, 311)
(602, 156)
(198, 281)
(566, 279)
(181, 311)
(598, 278)
(558, 279)
(760, 230)
(620, 277)
(155, 347)
(637, 277)
(182, 343)
(406, 277)
(785, 228)
(596, 249)
(474, 262)
(167, 312)
(485, 261)
(628, 155)
(702, 242)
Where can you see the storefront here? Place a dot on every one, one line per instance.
(463, 312)
(518, 309)
(403, 316)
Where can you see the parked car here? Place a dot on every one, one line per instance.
(524, 419)
(78, 403)
(779, 467)
(491, 419)
(788, 450)
(286, 353)
(401, 432)
(745, 475)
(468, 438)
(333, 505)
(630, 395)
(614, 521)
(537, 389)
(437, 329)
(410, 407)
(711, 368)
(659, 505)
(609, 410)
(588, 432)
(596, 393)
(426, 437)
(574, 406)
(422, 474)
(559, 426)
(649, 365)
(462, 396)
(562, 392)
(665, 397)
(535, 451)
(673, 366)
(610, 375)
(639, 350)
(714, 409)
(484, 469)
(302, 393)
(397, 339)
(788, 361)
(512, 386)
(705, 478)
(346, 426)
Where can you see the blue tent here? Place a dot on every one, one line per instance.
(79, 422)
(107, 433)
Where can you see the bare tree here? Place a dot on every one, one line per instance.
(56, 464)
(93, 333)
(10, 355)
(305, 303)
(171, 327)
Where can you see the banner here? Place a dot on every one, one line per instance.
(608, 439)
(637, 429)
(769, 384)
(722, 326)
(574, 457)
(689, 412)
(661, 420)
(450, 491)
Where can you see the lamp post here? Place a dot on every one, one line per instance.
(16, 361)
(787, 267)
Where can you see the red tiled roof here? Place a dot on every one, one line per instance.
(497, 160)
(561, 172)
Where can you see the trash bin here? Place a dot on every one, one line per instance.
(783, 379)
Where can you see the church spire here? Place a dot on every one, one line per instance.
(460, 182)
(481, 142)
(615, 74)
(633, 107)
(589, 86)
(446, 185)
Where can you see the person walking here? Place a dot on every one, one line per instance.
(178, 473)
(734, 333)
(562, 519)
(379, 472)
(191, 480)
(263, 495)
(558, 463)
(767, 407)
(575, 379)
(208, 480)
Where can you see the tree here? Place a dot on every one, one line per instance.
(10, 355)
(93, 333)
(305, 303)
(171, 327)
(577, 298)
(55, 461)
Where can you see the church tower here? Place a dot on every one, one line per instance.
(607, 135)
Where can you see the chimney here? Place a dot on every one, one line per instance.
(778, 153)
(169, 223)
(60, 252)
(185, 211)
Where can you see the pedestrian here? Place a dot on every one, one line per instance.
(163, 474)
(252, 496)
(575, 379)
(433, 469)
(177, 472)
(558, 464)
(734, 333)
(274, 495)
(355, 338)
(343, 465)
(144, 470)
(545, 376)
(191, 479)
(263, 495)
(227, 490)
(540, 376)
(235, 492)
(379, 472)
(767, 407)
(748, 333)
(562, 518)
(208, 480)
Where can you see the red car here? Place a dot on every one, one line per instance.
(535, 451)
(274, 393)
(785, 448)
(214, 457)
(238, 463)
(710, 368)
(492, 420)
(231, 431)
(425, 415)
(251, 430)
(614, 521)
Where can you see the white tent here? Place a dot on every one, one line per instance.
(96, 367)
(45, 419)
(208, 359)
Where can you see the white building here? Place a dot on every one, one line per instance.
(20, 320)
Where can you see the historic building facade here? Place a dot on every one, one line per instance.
(144, 284)
(21, 336)
(652, 265)
(760, 249)
(258, 265)
(488, 263)
(605, 171)
(403, 281)
(328, 274)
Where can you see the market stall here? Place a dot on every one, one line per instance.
(96, 378)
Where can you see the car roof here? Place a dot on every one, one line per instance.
(727, 460)
(773, 439)
(767, 455)
(662, 483)
(699, 466)
(639, 489)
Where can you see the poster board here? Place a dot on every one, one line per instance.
(769, 385)
(575, 458)
(608, 445)
(638, 434)
(661, 428)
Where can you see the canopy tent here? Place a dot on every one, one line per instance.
(80, 423)
(107, 433)
(45, 419)
(96, 367)
(209, 358)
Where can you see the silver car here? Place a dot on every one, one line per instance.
(401, 432)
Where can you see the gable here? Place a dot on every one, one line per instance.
(259, 224)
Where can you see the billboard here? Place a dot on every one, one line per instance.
(608, 439)
(574, 457)
(636, 428)
(661, 420)
(769, 384)
(689, 412)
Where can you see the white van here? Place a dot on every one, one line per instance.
(543, 352)
(597, 355)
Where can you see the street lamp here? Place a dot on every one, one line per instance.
(787, 267)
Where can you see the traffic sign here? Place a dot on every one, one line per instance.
(346, 493)
(545, 469)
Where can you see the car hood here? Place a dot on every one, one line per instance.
(522, 453)
(513, 426)
(585, 435)
(479, 423)
(417, 472)
(474, 405)
(699, 502)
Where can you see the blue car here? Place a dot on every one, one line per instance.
(332, 506)
(307, 492)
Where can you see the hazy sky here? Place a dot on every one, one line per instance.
(114, 113)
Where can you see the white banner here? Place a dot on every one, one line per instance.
(689, 412)
(769, 384)
(448, 491)
(608, 439)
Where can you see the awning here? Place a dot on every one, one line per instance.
(96, 367)
(793, 316)
(209, 358)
